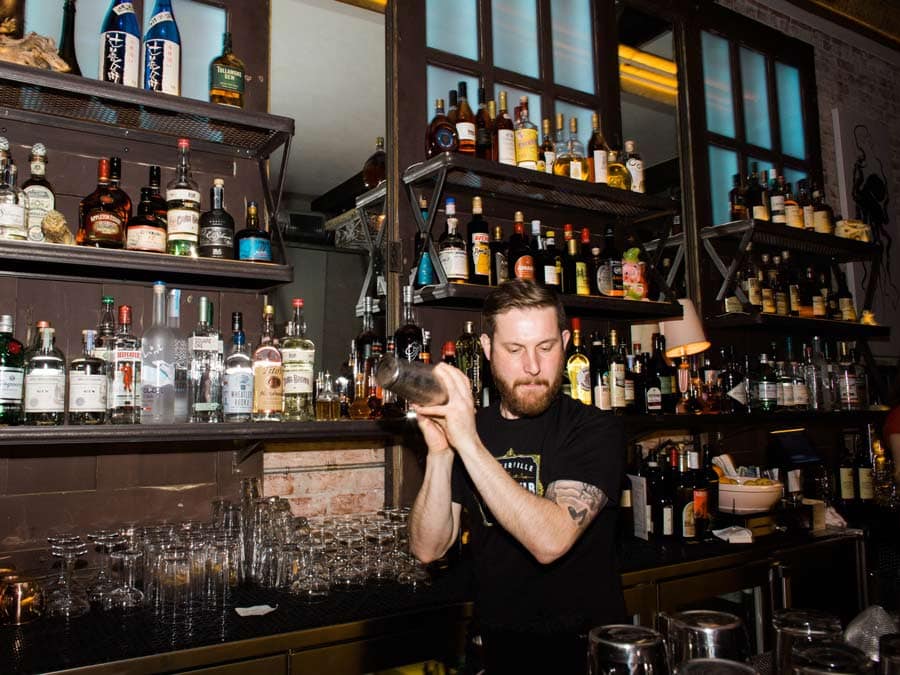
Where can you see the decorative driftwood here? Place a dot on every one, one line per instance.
(32, 50)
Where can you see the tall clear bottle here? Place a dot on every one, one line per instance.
(106, 328)
(41, 198)
(183, 201)
(268, 373)
(14, 211)
(87, 384)
(182, 360)
(162, 51)
(207, 364)
(44, 401)
(298, 355)
(237, 384)
(158, 365)
(12, 373)
(120, 45)
(124, 372)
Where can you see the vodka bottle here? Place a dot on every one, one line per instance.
(158, 365)
(207, 365)
(237, 384)
(182, 362)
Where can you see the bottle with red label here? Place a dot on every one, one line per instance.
(520, 260)
(124, 372)
(479, 244)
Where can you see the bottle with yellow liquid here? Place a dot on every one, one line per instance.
(618, 175)
(573, 163)
(578, 367)
(526, 135)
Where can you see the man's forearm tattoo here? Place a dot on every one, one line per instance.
(583, 501)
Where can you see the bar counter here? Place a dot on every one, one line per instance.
(376, 628)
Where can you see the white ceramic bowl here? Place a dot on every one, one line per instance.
(743, 499)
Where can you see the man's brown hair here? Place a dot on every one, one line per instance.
(519, 294)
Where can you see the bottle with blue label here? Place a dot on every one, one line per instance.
(120, 45)
(162, 51)
(253, 243)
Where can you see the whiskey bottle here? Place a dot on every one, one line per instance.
(479, 240)
(253, 243)
(120, 199)
(226, 77)
(375, 168)
(158, 365)
(99, 220)
(635, 166)
(737, 200)
(572, 163)
(536, 244)
(162, 51)
(408, 338)
(237, 382)
(618, 175)
(526, 138)
(597, 152)
(298, 356)
(367, 336)
(731, 384)
(793, 214)
(67, 38)
(120, 45)
(652, 394)
(45, 383)
(777, 212)
(441, 134)
(182, 358)
(145, 232)
(804, 201)
(547, 152)
(465, 123)
(499, 257)
(552, 263)
(845, 306)
(207, 365)
(328, 402)
(268, 373)
(452, 106)
(41, 198)
(505, 140)
(12, 373)
(183, 202)
(571, 259)
(484, 127)
(159, 205)
(823, 215)
(452, 248)
(124, 373)
(14, 214)
(216, 226)
(87, 384)
(578, 367)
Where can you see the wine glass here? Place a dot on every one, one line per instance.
(68, 599)
(103, 584)
(126, 597)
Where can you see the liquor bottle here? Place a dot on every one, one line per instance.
(374, 393)
(793, 213)
(764, 386)
(731, 384)
(737, 200)
(865, 489)
(597, 152)
(526, 138)
(328, 402)
(465, 122)
(616, 374)
(470, 360)
(408, 337)
(499, 261)
(183, 202)
(298, 356)
(41, 198)
(652, 388)
(158, 364)
(574, 270)
(617, 174)
(268, 373)
(845, 304)
(484, 145)
(635, 166)
(823, 215)
(846, 479)
(667, 375)
(572, 163)
(776, 198)
(237, 381)
(423, 272)
(547, 152)
(805, 203)
(226, 77)
(124, 373)
(441, 134)
(536, 244)
(182, 358)
(106, 328)
(631, 378)
(253, 243)
(685, 527)
(778, 281)
(452, 106)
(701, 495)
(159, 205)
(145, 232)
(216, 226)
(599, 358)
(521, 261)
(452, 248)
(14, 214)
(552, 263)
(448, 353)
(479, 242)
(207, 354)
(758, 207)
(162, 51)
(87, 384)
(67, 38)
(505, 141)
(820, 293)
(366, 338)
(12, 373)
(766, 275)
(44, 396)
(578, 367)
(120, 45)
(847, 389)
(798, 382)
(120, 200)
(425, 354)
(33, 338)
(609, 274)
(375, 168)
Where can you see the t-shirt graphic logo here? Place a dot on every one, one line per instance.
(524, 469)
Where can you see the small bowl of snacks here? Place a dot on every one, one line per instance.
(742, 495)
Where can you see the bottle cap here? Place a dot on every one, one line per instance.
(219, 182)
(470, 328)
(159, 287)
(450, 206)
(576, 323)
(205, 310)
(629, 146)
(4, 143)
(103, 169)
(6, 323)
(476, 205)
(463, 89)
(407, 294)
(297, 303)
(40, 325)
(519, 217)
(237, 322)
(595, 120)
(88, 336)
(184, 144)
(39, 150)
(439, 103)
(449, 348)
(585, 236)
(535, 227)
(573, 125)
(115, 167)
(155, 176)
(108, 300)
(124, 315)
(551, 234)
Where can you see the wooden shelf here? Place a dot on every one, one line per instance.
(647, 424)
(798, 326)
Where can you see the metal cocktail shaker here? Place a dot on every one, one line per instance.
(411, 380)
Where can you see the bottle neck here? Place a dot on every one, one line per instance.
(217, 195)
(409, 316)
(238, 341)
(159, 308)
(299, 323)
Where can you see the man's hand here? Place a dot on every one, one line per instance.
(456, 418)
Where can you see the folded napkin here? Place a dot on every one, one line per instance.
(735, 535)
(256, 610)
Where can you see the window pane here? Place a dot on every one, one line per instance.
(512, 100)
(452, 27)
(794, 176)
(441, 81)
(756, 98)
(573, 49)
(723, 164)
(583, 115)
(515, 35)
(790, 110)
(717, 85)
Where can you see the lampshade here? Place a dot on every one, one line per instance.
(684, 336)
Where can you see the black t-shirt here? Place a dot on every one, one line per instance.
(569, 441)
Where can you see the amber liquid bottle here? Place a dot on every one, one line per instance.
(99, 221)
(465, 123)
(504, 137)
(484, 127)
(374, 170)
(441, 135)
(226, 77)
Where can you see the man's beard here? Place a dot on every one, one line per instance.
(528, 404)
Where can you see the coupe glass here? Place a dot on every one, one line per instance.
(126, 597)
(68, 599)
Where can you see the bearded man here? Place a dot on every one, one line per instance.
(537, 472)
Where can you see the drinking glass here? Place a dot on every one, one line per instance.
(175, 585)
(104, 541)
(314, 582)
(126, 597)
(889, 653)
(798, 628)
(68, 599)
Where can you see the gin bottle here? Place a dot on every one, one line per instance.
(237, 384)
(120, 45)
(207, 364)
(162, 51)
(106, 328)
(158, 365)
(13, 204)
(182, 362)
(12, 373)
(183, 201)
(124, 373)
(45, 384)
(87, 384)
(298, 355)
(41, 199)
(268, 373)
